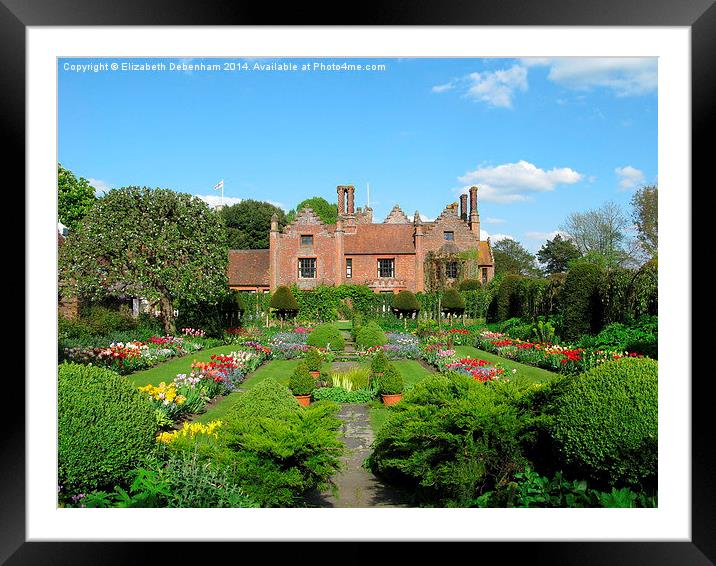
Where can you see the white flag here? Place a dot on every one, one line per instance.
(219, 185)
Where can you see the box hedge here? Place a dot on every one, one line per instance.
(106, 428)
(582, 306)
(606, 423)
(370, 335)
(326, 336)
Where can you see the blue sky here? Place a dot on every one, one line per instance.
(541, 137)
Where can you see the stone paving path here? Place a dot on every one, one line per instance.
(357, 486)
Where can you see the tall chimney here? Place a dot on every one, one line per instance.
(474, 216)
(351, 198)
(463, 207)
(341, 191)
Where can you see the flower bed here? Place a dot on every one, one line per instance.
(400, 346)
(189, 393)
(446, 360)
(128, 357)
(560, 358)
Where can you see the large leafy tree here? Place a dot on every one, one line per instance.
(75, 197)
(511, 257)
(151, 243)
(645, 215)
(556, 254)
(248, 224)
(601, 234)
(328, 212)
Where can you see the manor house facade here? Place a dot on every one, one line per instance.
(394, 255)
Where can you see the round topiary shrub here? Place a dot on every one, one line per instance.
(379, 363)
(314, 360)
(605, 426)
(582, 308)
(326, 336)
(301, 382)
(469, 285)
(106, 427)
(452, 302)
(391, 382)
(284, 303)
(370, 335)
(405, 303)
(267, 399)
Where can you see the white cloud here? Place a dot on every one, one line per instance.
(494, 237)
(512, 182)
(629, 177)
(444, 87)
(425, 218)
(496, 88)
(100, 187)
(213, 200)
(542, 236)
(625, 76)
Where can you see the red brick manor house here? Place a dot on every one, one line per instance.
(391, 256)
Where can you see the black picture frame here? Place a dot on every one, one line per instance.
(699, 15)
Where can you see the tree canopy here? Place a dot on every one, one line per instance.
(151, 243)
(645, 215)
(556, 254)
(326, 211)
(75, 197)
(248, 223)
(511, 257)
(601, 235)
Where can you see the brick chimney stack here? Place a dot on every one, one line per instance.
(474, 216)
(463, 207)
(350, 189)
(346, 199)
(341, 191)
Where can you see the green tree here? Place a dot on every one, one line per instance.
(326, 211)
(646, 218)
(75, 197)
(556, 254)
(601, 235)
(248, 223)
(511, 257)
(151, 243)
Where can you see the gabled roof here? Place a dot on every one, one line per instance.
(484, 254)
(380, 239)
(248, 268)
(396, 216)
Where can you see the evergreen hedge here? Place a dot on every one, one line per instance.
(452, 302)
(469, 285)
(326, 336)
(404, 303)
(582, 304)
(370, 335)
(606, 423)
(106, 428)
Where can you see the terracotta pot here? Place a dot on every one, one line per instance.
(391, 399)
(315, 374)
(304, 400)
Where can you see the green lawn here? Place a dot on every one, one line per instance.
(344, 324)
(169, 370)
(529, 373)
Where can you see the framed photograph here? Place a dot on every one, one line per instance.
(390, 280)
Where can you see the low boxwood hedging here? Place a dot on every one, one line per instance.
(105, 429)
(370, 335)
(605, 426)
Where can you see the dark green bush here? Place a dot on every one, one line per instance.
(370, 335)
(314, 360)
(507, 302)
(105, 429)
(469, 285)
(606, 420)
(301, 382)
(391, 382)
(452, 302)
(582, 311)
(326, 336)
(284, 303)
(277, 450)
(340, 395)
(102, 320)
(379, 362)
(405, 303)
(451, 438)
